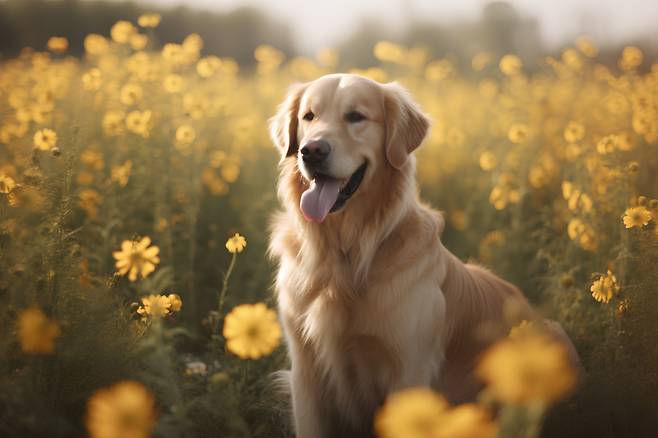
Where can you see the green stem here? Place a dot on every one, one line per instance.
(227, 275)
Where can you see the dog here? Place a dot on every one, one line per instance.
(370, 300)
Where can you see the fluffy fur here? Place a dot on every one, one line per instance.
(371, 301)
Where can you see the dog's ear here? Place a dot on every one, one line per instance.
(283, 125)
(406, 124)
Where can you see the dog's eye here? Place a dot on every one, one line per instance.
(308, 116)
(354, 117)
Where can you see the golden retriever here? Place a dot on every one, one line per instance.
(370, 299)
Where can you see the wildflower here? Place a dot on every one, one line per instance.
(149, 20)
(58, 44)
(176, 302)
(155, 305)
(126, 409)
(92, 159)
(121, 173)
(480, 61)
(131, 94)
(527, 369)
(636, 217)
(185, 135)
(45, 139)
(251, 331)
(236, 243)
(587, 46)
(37, 333)
(96, 44)
(438, 70)
(173, 83)
(607, 144)
(510, 65)
(113, 122)
(208, 67)
(488, 161)
(230, 172)
(122, 31)
(412, 413)
(138, 41)
(7, 184)
(89, 201)
(92, 80)
(136, 258)
(574, 131)
(518, 133)
(139, 122)
(604, 288)
(631, 57)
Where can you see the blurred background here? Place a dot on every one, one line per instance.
(234, 28)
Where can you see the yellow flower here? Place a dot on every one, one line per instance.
(89, 200)
(176, 302)
(113, 122)
(587, 47)
(121, 173)
(574, 131)
(185, 135)
(510, 65)
(412, 413)
(58, 44)
(156, 306)
(388, 51)
(518, 133)
(207, 67)
(37, 333)
(96, 44)
(138, 41)
(126, 409)
(122, 31)
(631, 57)
(7, 184)
(251, 331)
(173, 83)
(480, 61)
(131, 94)
(136, 258)
(236, 243)
(139, 122)
(149, 20)
(45, 139)
(92, 80)
(438, 70)
(527, 369)
(604, 288)
(488, 160)
(636, 217)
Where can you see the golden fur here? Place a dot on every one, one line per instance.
(370, 299)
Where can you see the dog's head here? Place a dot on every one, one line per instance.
(342, 129)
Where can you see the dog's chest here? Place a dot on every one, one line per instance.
(351, 349)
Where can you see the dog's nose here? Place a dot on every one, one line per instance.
(315, 152)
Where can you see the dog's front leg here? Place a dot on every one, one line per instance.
(307, 411)
(310, 419)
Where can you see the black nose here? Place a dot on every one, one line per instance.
(315, 152)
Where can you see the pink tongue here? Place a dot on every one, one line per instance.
(319, 198)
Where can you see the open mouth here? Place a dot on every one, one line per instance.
(327, 194)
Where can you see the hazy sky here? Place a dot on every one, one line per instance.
(318, 24)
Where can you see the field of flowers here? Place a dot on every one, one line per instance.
(135, 190)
